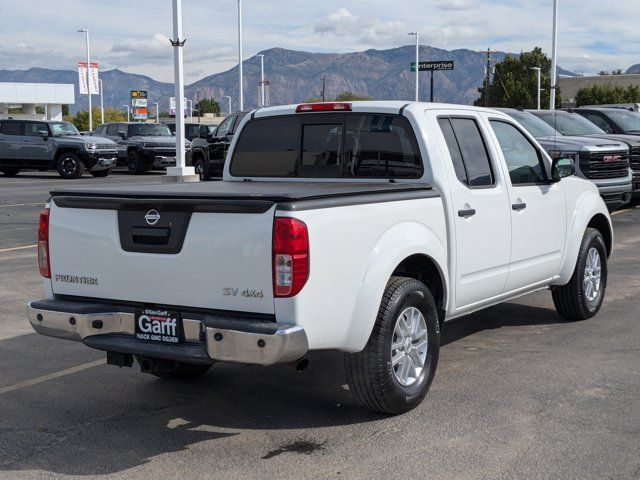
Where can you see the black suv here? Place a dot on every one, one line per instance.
(210, 150)
(46, 145)
(612, 120)
(192, 130)
(142, 146)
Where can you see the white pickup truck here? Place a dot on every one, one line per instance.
(356, 227)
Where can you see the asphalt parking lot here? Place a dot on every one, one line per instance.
(518, 393)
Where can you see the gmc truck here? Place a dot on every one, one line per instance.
(359, 227)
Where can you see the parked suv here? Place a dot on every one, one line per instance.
(210, 150)
(569, 123)
(604, 162)
(45, 145)
(142, 146)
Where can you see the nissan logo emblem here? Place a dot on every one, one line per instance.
(152, 217)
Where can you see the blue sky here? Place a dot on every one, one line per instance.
(133, 35)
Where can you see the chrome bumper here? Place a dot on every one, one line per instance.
(104, 163)
(212, 338)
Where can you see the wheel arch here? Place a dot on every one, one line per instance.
(62, 150)
(424, 268)
(589, 212)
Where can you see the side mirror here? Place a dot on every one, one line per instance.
(122, 135)
(43, 133)
(562, 167)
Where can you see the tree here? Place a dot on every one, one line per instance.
(208, 105)
(350, 97)
(617, 71)
(514, 84)
(605, 94)
(81, 119)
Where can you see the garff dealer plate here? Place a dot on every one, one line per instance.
(158, 325)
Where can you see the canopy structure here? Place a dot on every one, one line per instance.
(51, 96)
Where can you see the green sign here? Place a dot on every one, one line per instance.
(433, 66)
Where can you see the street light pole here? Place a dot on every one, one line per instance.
(539, 72)
(181, 170)
(157, 112)
(86, 33)
(240, 54)
(101, 103)
(128, 112)
(417, 35)
(227, 96)
(190, 108)
(262, 96)
(554, 59)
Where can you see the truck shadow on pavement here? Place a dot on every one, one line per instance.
(106, 420)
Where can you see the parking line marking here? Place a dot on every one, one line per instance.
(13, 249)
(23, 205)
(51, 376)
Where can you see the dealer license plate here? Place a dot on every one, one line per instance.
(158, 325)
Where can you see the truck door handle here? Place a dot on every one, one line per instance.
(519, 206)
(466, 213)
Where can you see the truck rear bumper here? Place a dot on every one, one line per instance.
(207, 337)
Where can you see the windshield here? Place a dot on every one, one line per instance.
(64, 128)
(534, 125)
(571, 123)
(627, 120)
(149, 130)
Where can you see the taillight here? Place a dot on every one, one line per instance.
(290, 256)
(324, 107)
(43, 244)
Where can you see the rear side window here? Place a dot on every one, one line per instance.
(328, 145)
(112, 129)
(468, 151)
(11, 128)
(268, 147)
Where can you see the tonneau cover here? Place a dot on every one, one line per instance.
(267, 191)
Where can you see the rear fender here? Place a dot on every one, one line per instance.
(400, 242)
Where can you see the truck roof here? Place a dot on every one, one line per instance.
(373, 106)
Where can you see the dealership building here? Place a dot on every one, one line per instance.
(28, 96)
(569, 86)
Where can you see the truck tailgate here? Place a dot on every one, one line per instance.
(184, 252)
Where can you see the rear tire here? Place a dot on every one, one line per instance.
(10, 172)
(582, 297)
(395, 370)
(70, 166)
(102, 173)
(135, 164)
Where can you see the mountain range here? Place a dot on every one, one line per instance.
(295, 76)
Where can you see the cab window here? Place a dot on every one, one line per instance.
(523, 159)
(468, 151)
(11, 128)
(224, 127)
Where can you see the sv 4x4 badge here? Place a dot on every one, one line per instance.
(233, 292)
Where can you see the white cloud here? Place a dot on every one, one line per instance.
(455, 4)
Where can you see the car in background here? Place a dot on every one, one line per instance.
(604, 162)
(142, 146)
(570, 123)
(48, 145)
(612, 120)
(210, 150)
(193, 130)
(634, 107)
